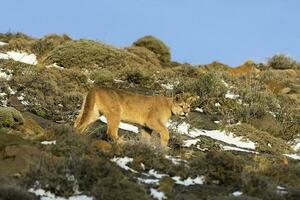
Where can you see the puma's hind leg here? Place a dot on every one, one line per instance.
(88, 114)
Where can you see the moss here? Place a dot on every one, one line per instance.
(157, 46)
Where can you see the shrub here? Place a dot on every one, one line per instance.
(224, 167)
(206, 85)
(10, 117)
(157, 46)
(48, 43)
(135, 75)
(102, 77)
(145, 54)
(282, 61)
(92, 55)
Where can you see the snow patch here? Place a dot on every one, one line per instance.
(190, 142)
(228, 138)
(189, 181)
(149, 181)
(230, 148)
(54, 65)
(237, 193)
(124, 126)
(175, 161)
(281, 190)
(296, 145)
(21, 98)
(20, 57)
(2, 43)
(231, 95)
(48, 142)
(46, 195)
(293, 156)
(183, 128)
(154, 173)
(122, 162)
(168, 86)
(217, 104)
(199, 110)
(157, 194)
(5, 74)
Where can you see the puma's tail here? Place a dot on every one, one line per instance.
(78, 121)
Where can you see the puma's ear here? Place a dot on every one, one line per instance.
(192, 99)
(177, 98)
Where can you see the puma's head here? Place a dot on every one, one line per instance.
(181, 107)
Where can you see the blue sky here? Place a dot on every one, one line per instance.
(197, 31)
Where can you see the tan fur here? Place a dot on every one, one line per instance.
(151, 112)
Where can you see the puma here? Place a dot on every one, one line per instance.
(151, 112)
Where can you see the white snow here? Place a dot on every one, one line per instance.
(2, 43)
(293, 156)
(183, 128)
(237, 193)
(231, 95)
(199, 110)
(225, 84)
(5, 74)
(122, 162)
(46, 195)
(154, 173)
(189, 181)
(296, 145)
(11, 91)
(230, 148)
(175, 161)
(281, 190)
(151, 181)
(20, 57)
(54, 65)
(118, 81)
(217, 104)
(21, 98)
(168, 86)
(190, 142)
(157, 194)
(124, 126)
(48, 142)
(228, 138)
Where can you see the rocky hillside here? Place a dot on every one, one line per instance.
(240, 141)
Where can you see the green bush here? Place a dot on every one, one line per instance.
(48, 43)
(282, 61)
(145, 54)
(93, 55)
(10, 117)
(102, 77)
(206, 85)
(157, 46)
